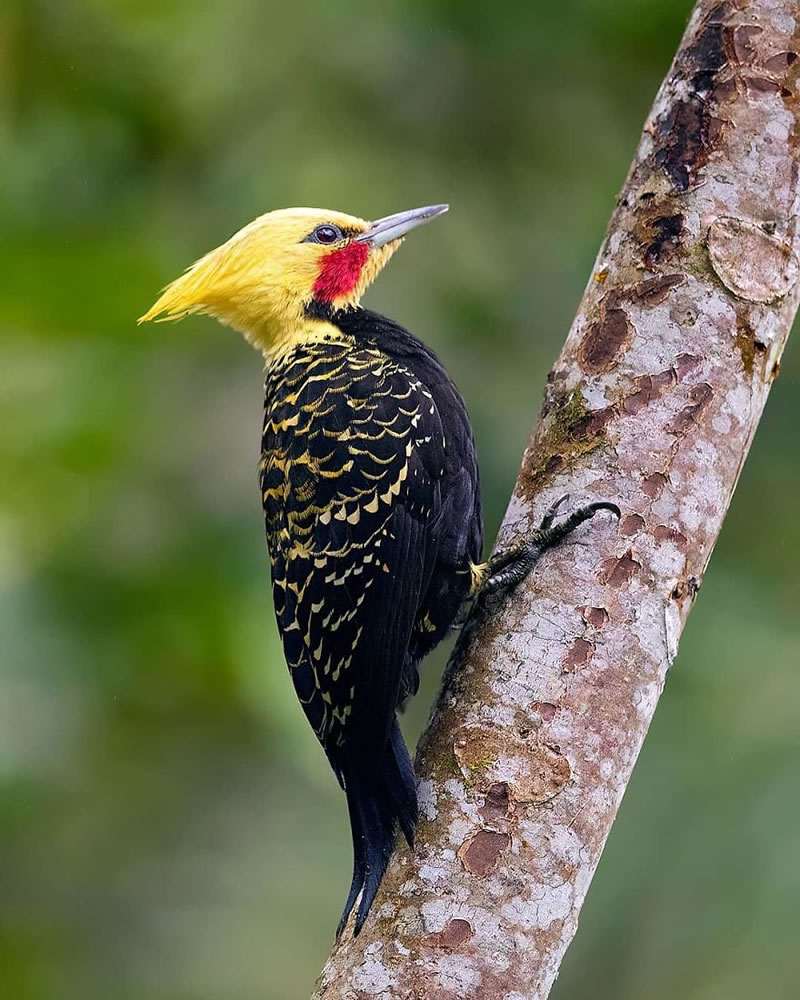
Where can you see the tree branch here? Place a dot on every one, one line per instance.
(653, 403)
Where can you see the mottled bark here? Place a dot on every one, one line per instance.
(652, 403)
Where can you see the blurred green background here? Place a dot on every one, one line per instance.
(169, 829)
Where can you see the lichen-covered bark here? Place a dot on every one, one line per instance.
(652, 403)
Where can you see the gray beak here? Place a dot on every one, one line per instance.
(392, 227)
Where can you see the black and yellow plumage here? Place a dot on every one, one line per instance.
(371, 495)
(366, 446)
(372, 508)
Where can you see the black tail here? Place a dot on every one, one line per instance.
(378, 801)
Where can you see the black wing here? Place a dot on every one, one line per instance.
(458, 526)
(353, 452)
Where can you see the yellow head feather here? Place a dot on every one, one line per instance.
(262, 279)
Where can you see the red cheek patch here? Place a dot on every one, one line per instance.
(340, 272)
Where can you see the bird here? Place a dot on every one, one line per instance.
(371, 495)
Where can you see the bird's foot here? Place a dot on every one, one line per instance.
(507, 568)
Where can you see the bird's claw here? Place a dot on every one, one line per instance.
(552, 512)
(509, 567)
(550, 533)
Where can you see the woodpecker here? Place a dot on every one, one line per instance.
(371, 495)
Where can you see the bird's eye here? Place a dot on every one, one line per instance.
(327, 234)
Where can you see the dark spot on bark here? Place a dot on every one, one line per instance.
(745, 342)
(726, 88)
(780, 63)
(687, 587)
(761, 85)
(653, 485)
(579, 654)
(481, 854)
(707, 54)
(454, 934)
(684, 363)
(662, 236)
(666, 533)
(653, 291)
(631, 525)
(594, 423)
(596, 617)
(605, 341)
(545, 710)
(700, 396)
(497, 806)
(738, 43)
(648, 388)
(776, 370)
(616, 572)
(687, 133)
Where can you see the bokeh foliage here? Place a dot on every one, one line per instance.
(168, 828)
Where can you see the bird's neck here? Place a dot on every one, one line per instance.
(307, 329)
